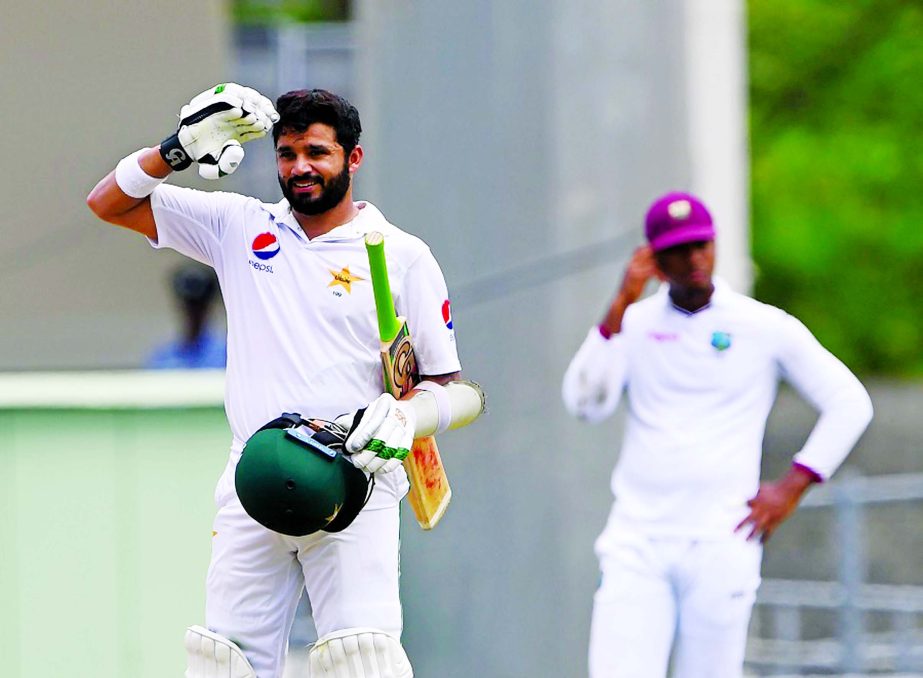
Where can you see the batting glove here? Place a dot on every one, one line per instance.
(212, 127)
(382, 436)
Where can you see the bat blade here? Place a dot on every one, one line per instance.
(430, 493)
(426, 473)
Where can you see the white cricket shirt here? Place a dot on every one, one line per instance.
(699, 389)
(302, 328)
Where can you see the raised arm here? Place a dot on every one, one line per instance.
(594, 380)
(111, 203)
(211, 129)
(641, 268)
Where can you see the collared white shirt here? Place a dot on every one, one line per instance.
(699, 388)
(302, 328)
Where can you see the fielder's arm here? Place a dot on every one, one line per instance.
(595, 378)
(641, 268)
(845, 411)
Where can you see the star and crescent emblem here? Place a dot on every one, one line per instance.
(344, 279)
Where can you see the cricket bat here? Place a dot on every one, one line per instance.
(429, 487)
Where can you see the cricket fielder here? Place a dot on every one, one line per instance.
(699, 366)
(303, 345)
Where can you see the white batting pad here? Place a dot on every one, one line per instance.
(210, 655)
(359, 653)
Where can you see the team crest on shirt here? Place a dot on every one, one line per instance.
(721, 340)
(343, 278)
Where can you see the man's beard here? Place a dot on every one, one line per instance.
(331, 194)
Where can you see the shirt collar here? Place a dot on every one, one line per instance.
(718, 297)
(721, 293)
(368, 219)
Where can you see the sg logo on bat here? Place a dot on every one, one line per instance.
(404, 363)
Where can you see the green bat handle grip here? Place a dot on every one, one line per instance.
(388, 325)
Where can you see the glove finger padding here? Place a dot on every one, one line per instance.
(254, 102)
(250, 127)
(383, 436)
(227, 163)
(369, 461)
(258, 112)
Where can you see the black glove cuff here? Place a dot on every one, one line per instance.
(173, 153)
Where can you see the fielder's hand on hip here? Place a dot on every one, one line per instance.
(212, 127)
(773, 504)
(382, 436)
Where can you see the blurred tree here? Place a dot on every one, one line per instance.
(836, 105)
(288, 11)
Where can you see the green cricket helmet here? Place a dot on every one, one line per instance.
(293, 478)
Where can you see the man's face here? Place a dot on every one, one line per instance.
(314, 172)
(688, 266)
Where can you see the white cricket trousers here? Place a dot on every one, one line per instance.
(256, 576)
(660, 592)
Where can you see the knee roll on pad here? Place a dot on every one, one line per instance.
(211, 655)
(359, 653)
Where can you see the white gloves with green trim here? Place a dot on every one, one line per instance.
(383, 435)
(212, 127)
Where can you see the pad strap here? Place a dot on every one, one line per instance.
(461, 402)
(443, 403)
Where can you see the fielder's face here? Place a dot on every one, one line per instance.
(315, 173)
(688, 266)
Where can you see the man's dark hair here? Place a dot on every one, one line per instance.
(301, 108)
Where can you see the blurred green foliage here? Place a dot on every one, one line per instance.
(836, 109)
(289, 11)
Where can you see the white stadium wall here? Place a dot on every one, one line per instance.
(88, 83)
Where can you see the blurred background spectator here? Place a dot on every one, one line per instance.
(198, 344)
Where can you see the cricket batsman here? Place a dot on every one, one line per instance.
(698, 364)
(320, 442)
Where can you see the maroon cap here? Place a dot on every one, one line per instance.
(675, 219)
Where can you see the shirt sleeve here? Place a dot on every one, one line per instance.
(842, 401)
(595, 378)
(191, 222)
(425, 303)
